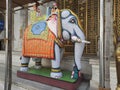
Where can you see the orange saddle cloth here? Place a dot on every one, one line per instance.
(37, 46)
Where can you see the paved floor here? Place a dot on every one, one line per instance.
(21, 84)
(95, 78)
(29, 85)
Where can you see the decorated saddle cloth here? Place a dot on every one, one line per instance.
(38, 41)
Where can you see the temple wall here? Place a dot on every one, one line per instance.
(22, 19)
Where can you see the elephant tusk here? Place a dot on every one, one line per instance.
(84, 41)
(74, 38)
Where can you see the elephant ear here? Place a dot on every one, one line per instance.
(67, 12)
(59, 25)
(79, 22)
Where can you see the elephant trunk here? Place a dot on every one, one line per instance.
(79, 47)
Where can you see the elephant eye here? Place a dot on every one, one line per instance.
(73, 21)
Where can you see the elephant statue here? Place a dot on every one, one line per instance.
(44, 39)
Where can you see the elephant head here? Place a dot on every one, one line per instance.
(71, 25)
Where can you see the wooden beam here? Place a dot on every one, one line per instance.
(41, 3)
(18, 4)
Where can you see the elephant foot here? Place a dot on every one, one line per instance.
(37, 64)
(75, 73)
(56, 73)
(37, 67)
(24, 69)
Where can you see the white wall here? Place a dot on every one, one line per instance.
(20, 18)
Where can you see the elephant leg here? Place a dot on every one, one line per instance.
(79, 47)
(56, 71)
(24, 63)
(37, 63)
(62, 50)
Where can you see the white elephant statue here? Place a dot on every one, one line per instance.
(60, 26)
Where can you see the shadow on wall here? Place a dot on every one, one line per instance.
(2, 32)
(2, 44)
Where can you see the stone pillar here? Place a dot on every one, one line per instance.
(107, 42)
(20, 23)
(105, 29)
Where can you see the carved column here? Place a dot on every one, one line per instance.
(116, 37)
(118, 65)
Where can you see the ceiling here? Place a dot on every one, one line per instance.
(21, 3)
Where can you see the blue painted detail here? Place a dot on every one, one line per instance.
(1, 25)
(48, 13)
(38, 27)
(76, 73)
